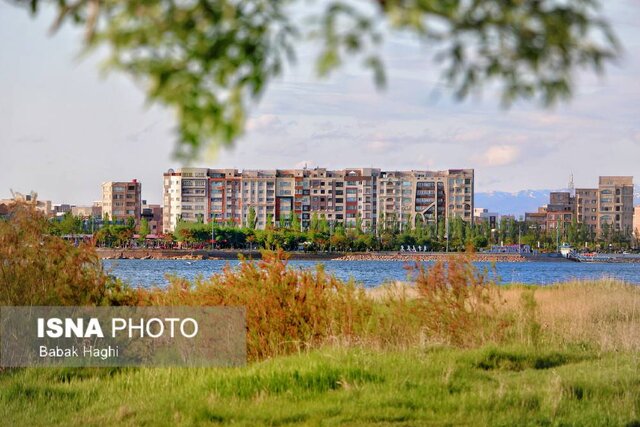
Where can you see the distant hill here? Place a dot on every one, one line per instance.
(518, 203)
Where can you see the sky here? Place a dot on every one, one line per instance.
(65, 127)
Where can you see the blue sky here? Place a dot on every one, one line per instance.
(65, 128)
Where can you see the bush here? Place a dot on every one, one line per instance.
(37, 268)
(288, 310)
(457, 304)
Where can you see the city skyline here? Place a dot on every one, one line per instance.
(53, 104)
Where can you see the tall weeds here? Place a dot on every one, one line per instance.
(458, 304)
(288, 310)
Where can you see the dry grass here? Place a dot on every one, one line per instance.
(604, 314)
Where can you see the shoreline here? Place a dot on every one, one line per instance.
(187, 254)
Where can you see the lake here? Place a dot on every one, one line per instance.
(149, 272)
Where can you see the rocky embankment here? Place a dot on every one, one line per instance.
(412, 257)
(105, 253)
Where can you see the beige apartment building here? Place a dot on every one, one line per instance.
(611, 204)
(122, 200)
(587, 207)
(615, 203)
(341, 196)
(428, 196)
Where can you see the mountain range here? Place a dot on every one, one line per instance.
(517, 203)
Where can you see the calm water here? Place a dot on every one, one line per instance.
(373, 273)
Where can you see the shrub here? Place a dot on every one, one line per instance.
(37, 268)
(288, 309)
(457, 304)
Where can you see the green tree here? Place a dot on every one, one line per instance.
(323, 225)
(209, 60)
(144, 228)
(69, 224)
(358, 223)
(294, 221)
(251, 218)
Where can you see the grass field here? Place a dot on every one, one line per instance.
(440, 386)
(569, 357)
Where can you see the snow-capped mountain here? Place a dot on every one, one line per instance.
(518, 203)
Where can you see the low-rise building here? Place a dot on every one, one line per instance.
(153, 215)
(483, 215)
(94, 211)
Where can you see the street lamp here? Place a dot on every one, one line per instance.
(212, 233)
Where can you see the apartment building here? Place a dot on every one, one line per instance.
(560, 211)
(153, 215)
(341, 196)
(537, 219)
(615, 203)
(609, 205)
(122, 200)
(428, 196)
(587, 207)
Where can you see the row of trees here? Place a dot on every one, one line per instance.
(323, 235)
(106, 233)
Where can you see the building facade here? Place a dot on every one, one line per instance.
(153, 215)
(345, 196)
(615, 204)
(122, 200)
(636, 222)
(608, 207)
(492, 219)
(560, 210)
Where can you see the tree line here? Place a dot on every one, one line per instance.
(324, 235)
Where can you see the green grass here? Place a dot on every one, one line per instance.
(442, 386)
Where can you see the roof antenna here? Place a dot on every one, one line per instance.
(572, 187)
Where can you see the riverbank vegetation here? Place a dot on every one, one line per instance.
(322, 235)
(447, 347)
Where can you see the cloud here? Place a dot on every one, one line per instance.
(268, 124)
(379, 146)
(499, 155)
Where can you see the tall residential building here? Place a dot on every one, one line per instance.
(428, 196)
(122, 200)
(615, 205)
(587, 208)
(341, 196)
